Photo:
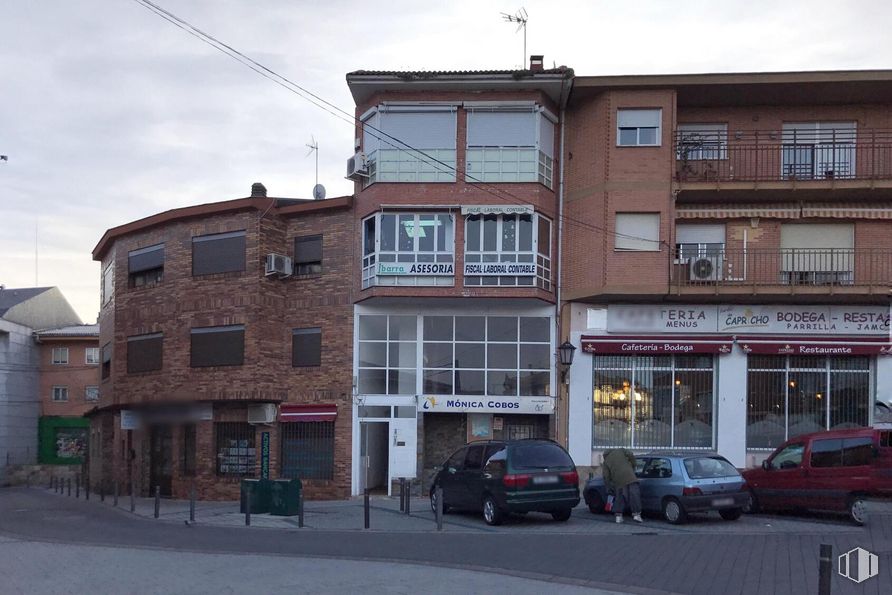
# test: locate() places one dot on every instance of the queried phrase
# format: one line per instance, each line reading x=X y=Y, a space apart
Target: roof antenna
x=314 y=148
x=520 y=17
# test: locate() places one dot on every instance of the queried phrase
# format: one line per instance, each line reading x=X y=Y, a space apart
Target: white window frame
x=658 y=128
x=828 y=146
x=371 y=260
x=94 y=360
x=60 y=394
x=684 y=251
x=542 y=260
x=107 y=284
x=623 y=236
x=60 y=356
x=701 y=142
x=87 y=392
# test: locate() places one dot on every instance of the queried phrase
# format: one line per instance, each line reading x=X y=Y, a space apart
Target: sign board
x=495 y=269
x=497 y=210
x=471 y=404
x=416 y=269
x=264 y=455
x=814 y=348
x=129 y=420
x=662 y=319
x=655 y=346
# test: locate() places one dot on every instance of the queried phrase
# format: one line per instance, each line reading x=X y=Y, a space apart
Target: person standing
x=618 y=470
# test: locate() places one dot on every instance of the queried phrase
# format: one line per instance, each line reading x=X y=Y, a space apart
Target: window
x=144 y=353
x=218 y=346
x=92 y=355
x=108 y=282
x=857 y=451
x=702 y=141
x=637 y=232
x=638 y=127
x=188 y=453
x=789 y=458
x=106 y=360
x=657 y=468
x=826 y=453
x=510 y=144
x=60 y=355
x=818 y=150
x=788 y=396
x=694 y=241
x=236 y=455
x=817 y=254
x=218 y=253
x=709 y=467
x=508 y=250
x=387 y=355
x=410 y=143
x=474 y=458
x=653 y=401
x=408 y=249
x=306 y=347
x=145 y=266
x=308 y=450
x=457 y=459
x=308 y=255
x=496 y=460
x=91 y=394
x=60 y=393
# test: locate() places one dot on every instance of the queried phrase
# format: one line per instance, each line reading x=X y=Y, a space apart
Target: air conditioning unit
x=705 y=268
x=265 y=413
x=278 y=264
x=357 y=167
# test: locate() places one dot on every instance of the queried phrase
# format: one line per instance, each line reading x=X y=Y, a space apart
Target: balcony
x=788 y=159
x=783 y=271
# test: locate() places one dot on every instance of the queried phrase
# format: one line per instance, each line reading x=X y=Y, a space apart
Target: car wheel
x=562 y=515
x=673 y=511
x=731 y=514
x=492 y=514
x=434 y=501
x=596 y=504
x=752 y=504
x=857 y=509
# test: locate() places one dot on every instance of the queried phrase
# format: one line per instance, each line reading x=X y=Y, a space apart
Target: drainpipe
x=557 y=307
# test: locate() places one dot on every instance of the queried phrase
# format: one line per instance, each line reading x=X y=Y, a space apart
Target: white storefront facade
x=737 y=379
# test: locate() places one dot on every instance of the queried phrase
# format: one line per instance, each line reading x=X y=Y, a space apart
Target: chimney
x=536 y=63
x=258 y=190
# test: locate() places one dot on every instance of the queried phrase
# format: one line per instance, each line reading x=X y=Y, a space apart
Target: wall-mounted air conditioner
x=705 y=268
x=264 y=413
x=357 y=167
x=278 y=264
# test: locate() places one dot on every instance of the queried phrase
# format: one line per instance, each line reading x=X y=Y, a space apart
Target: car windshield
x=706 y=467
x=540 y=456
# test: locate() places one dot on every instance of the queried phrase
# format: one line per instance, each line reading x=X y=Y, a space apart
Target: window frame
x=658 y=129
x=534 y=255
x=245 y=463
x=713 y=148
x=97 y=356
x=145 y=277
x=373 y=260
x=63 y=356
x=304 y=267
x=232 y=328
x=621 y=236
x=107 y=285
x=313 y=362
x=230 y=268
x=87 y=391
x=132 y=368
x=59 y=393
x=321 y=436
x=106 y=355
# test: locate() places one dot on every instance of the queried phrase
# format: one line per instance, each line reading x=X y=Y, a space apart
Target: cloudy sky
x=110 y=113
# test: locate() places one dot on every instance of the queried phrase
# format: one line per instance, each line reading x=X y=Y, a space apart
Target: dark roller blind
x=218 y=346
x=306 y=347
x=218 y=253
x=144 y=353
x=146 y=259
x=308 y=249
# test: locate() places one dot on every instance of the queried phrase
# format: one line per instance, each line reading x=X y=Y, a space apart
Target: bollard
x=53 y=484
x=69 y=486
x=132 y=499
x=116 y=494
x=408 y=494
x=300 y=512
x=365 y=508
x=192 y=502
x=77 y=486
x=402 y=494
x=824 y=565
x=439 y=512
x=101 y=491
x=247 y=507
x=157 y=501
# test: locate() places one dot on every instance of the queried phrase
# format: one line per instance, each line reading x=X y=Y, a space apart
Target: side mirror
x=766 y=465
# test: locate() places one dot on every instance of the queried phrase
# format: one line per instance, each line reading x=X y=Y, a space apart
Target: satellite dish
x=318 y=192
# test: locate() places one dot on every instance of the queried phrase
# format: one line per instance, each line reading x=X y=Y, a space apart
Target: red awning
x=656 y=345
x=292 y=412
x=817 y=346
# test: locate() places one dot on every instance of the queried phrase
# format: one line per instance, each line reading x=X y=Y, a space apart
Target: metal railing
x=788 y=155
x=784 y=267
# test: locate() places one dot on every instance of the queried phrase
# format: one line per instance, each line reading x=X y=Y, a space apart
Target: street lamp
x=565 y=354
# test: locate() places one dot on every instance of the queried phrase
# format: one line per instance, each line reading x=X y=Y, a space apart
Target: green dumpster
x=260 y=492
x=285 y=495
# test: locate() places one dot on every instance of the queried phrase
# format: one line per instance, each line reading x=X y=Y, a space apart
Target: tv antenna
x=314 y=148
x=520 y=17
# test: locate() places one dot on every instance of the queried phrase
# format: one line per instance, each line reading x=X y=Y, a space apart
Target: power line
x=350 y=118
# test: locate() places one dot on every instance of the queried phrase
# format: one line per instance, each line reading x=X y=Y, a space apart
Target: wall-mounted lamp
x=565 y=354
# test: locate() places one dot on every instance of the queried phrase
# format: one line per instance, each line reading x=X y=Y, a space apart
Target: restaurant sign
x=640 y=345
x=814 y=348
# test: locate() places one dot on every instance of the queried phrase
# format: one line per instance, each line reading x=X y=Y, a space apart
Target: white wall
x=19 y=395
x=730 y=414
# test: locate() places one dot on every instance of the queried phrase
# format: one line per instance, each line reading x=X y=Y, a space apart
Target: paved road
x=695 y=561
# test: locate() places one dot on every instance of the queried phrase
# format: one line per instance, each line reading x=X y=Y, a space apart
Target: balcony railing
x=784 y=268
x=769 y=156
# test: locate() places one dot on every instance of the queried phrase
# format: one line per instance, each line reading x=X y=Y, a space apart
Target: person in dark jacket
x=618 y=470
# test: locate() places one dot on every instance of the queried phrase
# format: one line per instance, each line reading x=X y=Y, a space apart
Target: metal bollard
x=116 y=494
x=439 y=511
x=77 y=486
x=365 y=508
x=69 y=486
x=402 y=494
x=300 y=512
x=408 y=494
x=192 y=503
x=247 y=508
x=157 y=501
x=824 y=565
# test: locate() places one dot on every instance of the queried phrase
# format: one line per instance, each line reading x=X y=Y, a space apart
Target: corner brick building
x=214 y=368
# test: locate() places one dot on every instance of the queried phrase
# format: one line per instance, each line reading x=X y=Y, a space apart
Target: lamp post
x=565 y=353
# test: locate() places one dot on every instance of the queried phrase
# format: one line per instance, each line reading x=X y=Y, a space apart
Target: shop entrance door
x=161 y=460
x=373 y=472
x=403 y=450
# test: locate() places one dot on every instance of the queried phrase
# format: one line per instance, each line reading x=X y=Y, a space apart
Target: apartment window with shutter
x=306 y=347
x=218 y=253
x=145 y=266
x=637 y=232
x=218 y=346
x=60 y=355
x=308 y=255
x=91 y=394
x=91 y=355
x=638 y=127
x=817 y=254
x=108 y=282
x=144 y=353
x=106 y=360
x=699 y=241
x=60 y=393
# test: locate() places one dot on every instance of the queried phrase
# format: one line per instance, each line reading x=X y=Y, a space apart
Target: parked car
x=676 y=484
x=832 y=471
x=499 y=477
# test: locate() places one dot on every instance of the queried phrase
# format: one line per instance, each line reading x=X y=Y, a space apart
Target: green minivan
x=500 y=477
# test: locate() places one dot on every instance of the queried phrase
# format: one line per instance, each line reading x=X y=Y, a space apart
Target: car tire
x=492 y=514
x=857 y=509
x=562 y=515
x=434 y=502
x=674 y=512
x=752 y=505
x=596 y=504
x=731 y=514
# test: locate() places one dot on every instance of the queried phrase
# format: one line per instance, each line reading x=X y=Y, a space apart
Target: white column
x=731 y=407
x=579 y=424
x=884 y=379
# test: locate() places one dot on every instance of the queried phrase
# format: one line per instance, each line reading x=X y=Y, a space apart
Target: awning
x=723 y=211
x=297 y=413
x=655 y=345
x=847 y=211
x=817 y=346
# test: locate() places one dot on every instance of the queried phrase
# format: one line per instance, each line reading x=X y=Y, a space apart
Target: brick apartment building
x=455 y=263
x=214 y=368
x=740 y=293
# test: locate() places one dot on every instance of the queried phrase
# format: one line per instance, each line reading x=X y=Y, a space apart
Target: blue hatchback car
x=676 y=484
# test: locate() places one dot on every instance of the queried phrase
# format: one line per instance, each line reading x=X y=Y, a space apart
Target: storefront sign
x=416 y=269
x=264 y=455
x=495 y=269
x=129 y=420
x=612 y=345
x=815 y=348
x=439 y=404
x=497 y=210
x=746 y=319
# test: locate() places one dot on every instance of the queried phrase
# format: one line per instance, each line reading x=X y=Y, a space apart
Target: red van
x=833 y=470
